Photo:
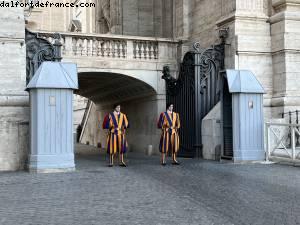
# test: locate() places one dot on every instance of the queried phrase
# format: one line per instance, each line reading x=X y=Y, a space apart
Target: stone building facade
x=264 y=37
x=14 y=101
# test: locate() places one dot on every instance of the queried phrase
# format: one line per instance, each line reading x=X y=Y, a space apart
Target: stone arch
x=112 y=87
x=139 y=97
x=151 y=78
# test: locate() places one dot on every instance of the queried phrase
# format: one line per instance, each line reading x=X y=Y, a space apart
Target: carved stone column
x=14 y=101
x=249 y=41
x=116 y=16
x=285 y=31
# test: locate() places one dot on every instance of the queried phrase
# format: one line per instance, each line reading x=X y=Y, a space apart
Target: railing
x=283 y=142
x=115 y=46
x=290 y=115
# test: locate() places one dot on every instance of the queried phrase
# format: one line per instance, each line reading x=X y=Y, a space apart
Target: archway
x=138 y=99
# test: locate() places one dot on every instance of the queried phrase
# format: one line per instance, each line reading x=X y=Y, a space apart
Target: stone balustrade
x=115 y=46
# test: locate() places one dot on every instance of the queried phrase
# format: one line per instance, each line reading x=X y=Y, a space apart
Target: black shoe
x=110 y=165
x=163 y=164
x=175 y=163
x=123 y=164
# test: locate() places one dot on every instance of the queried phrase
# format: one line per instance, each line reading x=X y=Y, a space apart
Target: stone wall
x=14 y=111
x=211 y=134
x=285 y=43
x=79 y=105
x=59 y=19
x=204 y=16
x=152 y=18
x=142 y=114
x=249 y=42
x=263 y=37
x=93 y=132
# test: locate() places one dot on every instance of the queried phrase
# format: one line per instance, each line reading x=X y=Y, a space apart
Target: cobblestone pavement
x=196 y=192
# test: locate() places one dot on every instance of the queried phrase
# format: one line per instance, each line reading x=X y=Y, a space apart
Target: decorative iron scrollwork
x=210 y=60
x=197 y=46
x=196 y=91
x=39 y=50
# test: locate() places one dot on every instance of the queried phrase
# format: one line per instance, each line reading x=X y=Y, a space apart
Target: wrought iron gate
x=195 y=92
x=38 y=50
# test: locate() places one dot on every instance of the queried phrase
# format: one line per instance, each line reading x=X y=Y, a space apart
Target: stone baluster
x=86 y=42
x=124 y=49
x=98 y=47
x=107 y=48
x=150 y=50
x=156 y=50
x=63 y=47
x=139 y=45
x=69 y=46
x=119 y=44
x=118 y=49
x=74 y=46
x=84 y=47
x=89 y=47
x=134 y=49
x=78 y=46
x=113 y=48
x=94 y=46
x=102 y=48
x=145 y=49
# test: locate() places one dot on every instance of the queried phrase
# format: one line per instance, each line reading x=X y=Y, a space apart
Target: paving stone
x=196 y=192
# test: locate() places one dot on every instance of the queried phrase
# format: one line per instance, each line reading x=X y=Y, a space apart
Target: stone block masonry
x=14 y=101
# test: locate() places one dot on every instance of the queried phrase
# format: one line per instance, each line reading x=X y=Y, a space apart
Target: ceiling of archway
x=109 y=88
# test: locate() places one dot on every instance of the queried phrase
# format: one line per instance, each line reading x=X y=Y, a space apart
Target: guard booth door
x=226 y=118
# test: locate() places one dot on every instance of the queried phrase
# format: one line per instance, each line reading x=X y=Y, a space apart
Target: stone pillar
x=285 y=31
x=14 y=101
x=116 y=16
x=249 y=39
x=181 y=19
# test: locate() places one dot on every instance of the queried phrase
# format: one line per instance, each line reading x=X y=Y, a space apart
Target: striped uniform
x=169 y=123
x=116 y=125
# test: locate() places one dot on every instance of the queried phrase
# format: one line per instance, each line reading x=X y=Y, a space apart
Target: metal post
x=293 y=142
x=290 y=122
x=268 y=142
x=297 y=122
x=197 y=75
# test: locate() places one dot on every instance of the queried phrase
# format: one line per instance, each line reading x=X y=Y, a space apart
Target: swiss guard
x=169 y=123
x=116 y=123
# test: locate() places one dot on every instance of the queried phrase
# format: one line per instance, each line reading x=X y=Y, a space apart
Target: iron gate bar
x=195 y=92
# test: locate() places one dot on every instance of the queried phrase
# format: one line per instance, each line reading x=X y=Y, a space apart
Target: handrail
x=283 y=124
x=115 y=46
x=110 y=36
